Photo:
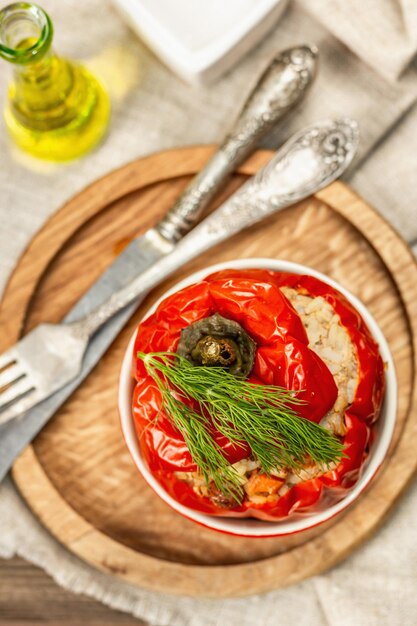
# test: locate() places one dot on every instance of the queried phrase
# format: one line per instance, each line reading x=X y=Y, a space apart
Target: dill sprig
x=262 y=416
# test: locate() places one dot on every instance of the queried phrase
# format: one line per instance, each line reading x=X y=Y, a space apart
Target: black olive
x=217 y=341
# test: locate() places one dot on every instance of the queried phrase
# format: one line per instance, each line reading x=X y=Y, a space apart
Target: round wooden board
x=78 y=477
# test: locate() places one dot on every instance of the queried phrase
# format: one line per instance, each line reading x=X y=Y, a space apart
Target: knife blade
x=140 y=254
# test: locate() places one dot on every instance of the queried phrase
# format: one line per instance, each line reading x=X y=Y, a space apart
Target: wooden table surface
x=30 y=597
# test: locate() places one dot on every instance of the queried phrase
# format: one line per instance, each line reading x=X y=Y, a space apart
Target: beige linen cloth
x=382 y=32
x=153 y=110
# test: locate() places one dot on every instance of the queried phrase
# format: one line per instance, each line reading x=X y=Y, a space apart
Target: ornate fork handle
x=282 y=85
x=309 y=161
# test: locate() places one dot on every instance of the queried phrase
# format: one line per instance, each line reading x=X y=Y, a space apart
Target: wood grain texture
x=28 y=597
x=78 y=477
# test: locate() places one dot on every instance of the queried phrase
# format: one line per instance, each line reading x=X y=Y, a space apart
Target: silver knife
x=283 y=84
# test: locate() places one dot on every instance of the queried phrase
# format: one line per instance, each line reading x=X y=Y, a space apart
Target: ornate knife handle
x=281 y=86
x=312 y=159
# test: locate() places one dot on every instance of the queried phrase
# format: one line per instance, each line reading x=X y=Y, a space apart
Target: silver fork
x=51 y=355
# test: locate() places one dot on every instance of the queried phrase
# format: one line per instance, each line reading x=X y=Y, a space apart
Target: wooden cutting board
x=78 y=477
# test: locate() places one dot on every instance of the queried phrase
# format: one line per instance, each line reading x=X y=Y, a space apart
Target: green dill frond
x=262 y=416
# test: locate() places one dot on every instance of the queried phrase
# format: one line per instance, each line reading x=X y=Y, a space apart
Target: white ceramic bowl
x=251 y=527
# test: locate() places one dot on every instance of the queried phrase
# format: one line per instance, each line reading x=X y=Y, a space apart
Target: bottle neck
x=40 y=89
x=26 y=34
x=37 y=71
x=41 y=81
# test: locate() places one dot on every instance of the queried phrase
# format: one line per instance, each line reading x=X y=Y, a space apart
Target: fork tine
x=20 y=407
x=12 y=393
x=8 y=357
x=11 y=374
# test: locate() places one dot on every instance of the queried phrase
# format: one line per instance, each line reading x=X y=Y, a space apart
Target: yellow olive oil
x=56 y=109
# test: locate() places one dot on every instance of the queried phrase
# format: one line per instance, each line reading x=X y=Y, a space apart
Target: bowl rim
x=249 y=527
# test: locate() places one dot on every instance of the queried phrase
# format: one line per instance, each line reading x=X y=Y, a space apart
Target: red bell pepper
x=254 y=299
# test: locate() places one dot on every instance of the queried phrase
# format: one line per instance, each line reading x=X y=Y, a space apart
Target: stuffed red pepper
x=255 y=394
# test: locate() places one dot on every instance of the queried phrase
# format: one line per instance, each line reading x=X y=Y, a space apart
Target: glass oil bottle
x=56 y=109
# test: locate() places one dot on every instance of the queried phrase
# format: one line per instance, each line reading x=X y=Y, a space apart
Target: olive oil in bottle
x=56 y=109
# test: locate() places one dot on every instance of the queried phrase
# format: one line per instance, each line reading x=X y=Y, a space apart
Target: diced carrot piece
x=261 y=484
